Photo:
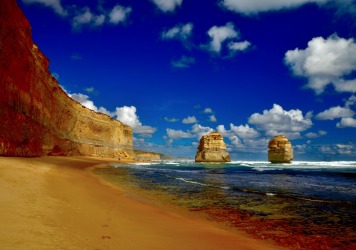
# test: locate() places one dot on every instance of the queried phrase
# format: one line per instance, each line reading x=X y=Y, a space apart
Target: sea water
x=308 y=205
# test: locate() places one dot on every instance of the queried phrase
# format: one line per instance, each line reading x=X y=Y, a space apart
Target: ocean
x=302 y=205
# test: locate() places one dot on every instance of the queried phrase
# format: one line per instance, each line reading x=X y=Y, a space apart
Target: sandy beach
x=56 y=203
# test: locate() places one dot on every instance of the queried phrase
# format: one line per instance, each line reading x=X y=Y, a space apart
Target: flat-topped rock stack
x=212 y=149
x=280 y=150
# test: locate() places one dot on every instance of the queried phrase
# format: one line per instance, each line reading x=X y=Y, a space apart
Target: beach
x=57 y=203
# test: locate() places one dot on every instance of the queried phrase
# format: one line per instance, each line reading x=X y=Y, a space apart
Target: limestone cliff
x=280 y=150
x=36 y=116
x=146 y=156
x=212 y=149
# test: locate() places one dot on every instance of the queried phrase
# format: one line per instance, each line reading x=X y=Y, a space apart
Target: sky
x=175 y=70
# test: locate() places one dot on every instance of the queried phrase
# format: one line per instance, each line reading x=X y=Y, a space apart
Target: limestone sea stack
x=280 y=150
x=212 y=149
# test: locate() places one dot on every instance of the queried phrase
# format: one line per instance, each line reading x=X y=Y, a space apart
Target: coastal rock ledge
x=212 y=149
x=280 y=150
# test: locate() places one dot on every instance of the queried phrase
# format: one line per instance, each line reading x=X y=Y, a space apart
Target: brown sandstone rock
x=36 y=116
x=280 y=150
x=212 y=149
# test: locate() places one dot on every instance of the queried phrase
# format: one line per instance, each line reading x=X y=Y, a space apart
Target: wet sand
x=56 y=203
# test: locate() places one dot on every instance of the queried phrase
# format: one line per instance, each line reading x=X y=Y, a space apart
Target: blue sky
x=176 y=69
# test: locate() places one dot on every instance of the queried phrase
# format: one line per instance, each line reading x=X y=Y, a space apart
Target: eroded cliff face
x=146 y=156
x=36 y=116
x=280 y=150
x=212 y=149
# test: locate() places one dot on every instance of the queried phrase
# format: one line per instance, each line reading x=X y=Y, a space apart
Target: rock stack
x=280 y=150
x=212 y=149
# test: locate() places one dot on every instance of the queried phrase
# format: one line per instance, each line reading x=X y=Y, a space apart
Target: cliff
x=36 y=116
x=146 y=156
x=212 y=149
x=280 y=150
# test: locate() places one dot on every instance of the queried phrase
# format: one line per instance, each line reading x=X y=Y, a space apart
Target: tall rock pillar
x=280 y=150
x=212 y=149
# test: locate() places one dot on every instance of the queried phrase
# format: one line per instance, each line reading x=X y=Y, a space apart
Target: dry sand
x=56 y=203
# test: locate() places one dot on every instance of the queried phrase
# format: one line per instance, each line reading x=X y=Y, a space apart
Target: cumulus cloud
x=171 y=119
x=84 y=100
x=334 y=113
x=197 y=131
x=183 y=62
x=181 y=32
x=245 y=132
x=279 y=121
x=253 y=7
x=53 y=4
x=238 y=46
x=178 y=134
x=345 y=113
x=208 y=111
x=200 y=130
x=119 y=14
x=351 y=101
x=338 y=149
x=243 y=138
x=89 y=89
x=81 y=16
x=347 y=122
x=219 y=34
x=167 y=5
x=128 y=116
x=189 y=120
x=316 y=135
x=324 y=62
x=227 y=34
x=212 y=118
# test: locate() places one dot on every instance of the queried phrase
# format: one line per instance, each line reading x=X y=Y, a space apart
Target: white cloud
x=86 y=17
x=89 y=89
x=208 y=111
x=183 y=62
x=347 y=122
x=128 y=116
x=341 y=149
x=245 y=132
x=351 y=101
x=190 y=119
x=252 y=7
x=119 y=14
x=238 y=46
x=200 y=130
x=212 y=118
x=316 y=135
x=171 y=119
x=178 y=134
x=219 y=34
x=324 y=62
x=180 y=32
x=54 y=4
x=278 y=121
x=167 y=5
x=335 y=112
x=84 y=100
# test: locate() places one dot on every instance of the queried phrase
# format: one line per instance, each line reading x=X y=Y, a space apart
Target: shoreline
x=56 y=203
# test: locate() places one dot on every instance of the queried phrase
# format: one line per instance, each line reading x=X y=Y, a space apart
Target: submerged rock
x=212 y=149
x=280 y=150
